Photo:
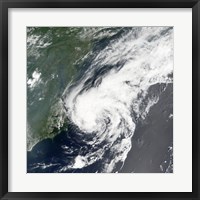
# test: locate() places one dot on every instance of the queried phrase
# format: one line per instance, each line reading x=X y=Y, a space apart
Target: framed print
x=99 y=99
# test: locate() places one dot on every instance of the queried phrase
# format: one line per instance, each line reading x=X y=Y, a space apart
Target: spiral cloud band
x=104 y=103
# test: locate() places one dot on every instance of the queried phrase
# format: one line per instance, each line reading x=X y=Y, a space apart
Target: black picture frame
x=6 y=4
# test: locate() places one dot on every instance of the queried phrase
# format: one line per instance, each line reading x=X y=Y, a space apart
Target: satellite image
x=100 y=99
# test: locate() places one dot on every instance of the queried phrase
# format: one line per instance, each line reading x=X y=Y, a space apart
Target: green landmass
x=55 y=53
